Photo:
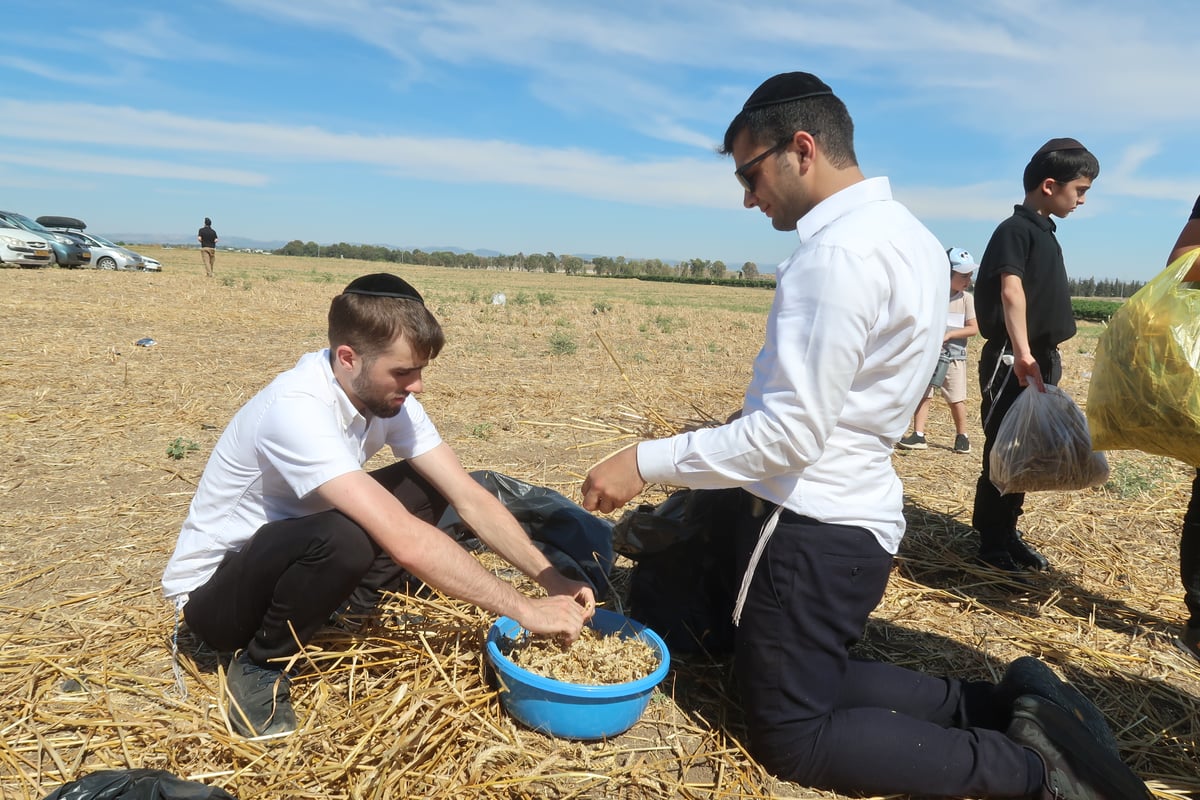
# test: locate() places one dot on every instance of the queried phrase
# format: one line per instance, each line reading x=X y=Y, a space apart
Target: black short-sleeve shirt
x=1025 y=245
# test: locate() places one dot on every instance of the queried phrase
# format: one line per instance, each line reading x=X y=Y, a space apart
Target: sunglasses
x=742 y=173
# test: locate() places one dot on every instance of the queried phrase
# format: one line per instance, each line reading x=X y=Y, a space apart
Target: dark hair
x=207 y=221
x=370 y=324
x=1063 y=166
x=823 y=116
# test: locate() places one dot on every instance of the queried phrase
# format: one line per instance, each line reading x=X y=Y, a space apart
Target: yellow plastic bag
x=1145 y=389
x=1043 y=445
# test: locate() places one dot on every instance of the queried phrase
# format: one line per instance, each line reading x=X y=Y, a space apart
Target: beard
x=381 y=403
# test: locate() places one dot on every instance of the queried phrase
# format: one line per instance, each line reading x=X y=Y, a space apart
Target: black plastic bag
x=136 y=784
x=577 y=543
x=684 y=584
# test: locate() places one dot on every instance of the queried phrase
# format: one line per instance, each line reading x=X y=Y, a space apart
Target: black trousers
x=1189 y=555
x=995 y=515
x=822 y=719
x=275 y=593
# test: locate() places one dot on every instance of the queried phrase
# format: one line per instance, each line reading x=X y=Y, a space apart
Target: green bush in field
x=180 y=448
x=562 y=344
x=1093 y=310
x=546 y=298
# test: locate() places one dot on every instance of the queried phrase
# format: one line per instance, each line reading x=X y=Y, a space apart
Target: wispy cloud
x=569 y=170
x=67 y=162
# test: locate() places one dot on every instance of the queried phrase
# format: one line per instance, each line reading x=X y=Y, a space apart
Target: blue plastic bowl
x=572 y=710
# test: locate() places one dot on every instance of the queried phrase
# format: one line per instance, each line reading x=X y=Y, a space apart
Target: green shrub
x=562 y=344
x=179 y=448
x=1093 y=310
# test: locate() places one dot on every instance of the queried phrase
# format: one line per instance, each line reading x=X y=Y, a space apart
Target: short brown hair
x=370 y=324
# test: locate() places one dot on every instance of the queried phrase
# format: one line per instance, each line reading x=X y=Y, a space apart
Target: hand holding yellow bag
x=1145 y=389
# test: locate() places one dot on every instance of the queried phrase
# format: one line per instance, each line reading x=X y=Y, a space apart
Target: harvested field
x=571 y=368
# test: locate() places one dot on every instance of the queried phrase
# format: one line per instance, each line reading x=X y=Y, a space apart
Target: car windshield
x=26 y=223
x=103 y=241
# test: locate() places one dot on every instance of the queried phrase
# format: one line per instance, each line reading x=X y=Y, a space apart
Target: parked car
x=105 y=254
x=67 y=253
x=151 y=264
x=19 y=246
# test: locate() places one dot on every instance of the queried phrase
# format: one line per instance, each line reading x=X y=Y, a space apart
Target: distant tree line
x=1090 y=287
x=697 y=268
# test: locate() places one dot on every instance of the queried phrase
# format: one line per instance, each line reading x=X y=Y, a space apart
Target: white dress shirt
x=296 y=434
x=852 y=338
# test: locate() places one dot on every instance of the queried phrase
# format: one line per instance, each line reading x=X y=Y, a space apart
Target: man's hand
x=613 y=482
x=557 y=615
x=1026 y=370
x=555 y=583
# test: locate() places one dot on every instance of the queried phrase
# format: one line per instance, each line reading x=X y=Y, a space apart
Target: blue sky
x=571 y=127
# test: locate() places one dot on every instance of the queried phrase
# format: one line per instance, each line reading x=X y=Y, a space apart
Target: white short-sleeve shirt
x=296 y=434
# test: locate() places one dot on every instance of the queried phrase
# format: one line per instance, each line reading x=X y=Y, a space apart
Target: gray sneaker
x=1077 y=766
x=962 y=444
x=914 y=441
x=260 y=701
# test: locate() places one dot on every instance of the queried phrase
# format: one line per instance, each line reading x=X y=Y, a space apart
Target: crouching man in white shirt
x=286 y=526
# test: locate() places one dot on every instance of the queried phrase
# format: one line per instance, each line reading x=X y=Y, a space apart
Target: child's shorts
x=954 y=388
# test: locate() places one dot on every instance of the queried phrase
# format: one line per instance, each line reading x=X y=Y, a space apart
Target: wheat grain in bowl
x=593 y=659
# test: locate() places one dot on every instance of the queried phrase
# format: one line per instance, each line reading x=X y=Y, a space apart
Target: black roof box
x=61 y=222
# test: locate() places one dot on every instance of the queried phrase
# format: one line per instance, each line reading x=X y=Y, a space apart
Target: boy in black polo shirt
x=1024 y=310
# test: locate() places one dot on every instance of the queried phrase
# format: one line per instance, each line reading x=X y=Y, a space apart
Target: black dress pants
x=822 y=719
x=1189 y=555
x=275 y=593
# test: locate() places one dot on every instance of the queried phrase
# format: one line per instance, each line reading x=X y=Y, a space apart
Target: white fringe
x=764 y=536
x=180 y=685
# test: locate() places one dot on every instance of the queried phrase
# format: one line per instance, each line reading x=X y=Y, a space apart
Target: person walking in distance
x=207 y=237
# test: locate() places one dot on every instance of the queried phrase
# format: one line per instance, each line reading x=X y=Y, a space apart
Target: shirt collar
x=1043 y=221
x=346 y=411
x=842 y=202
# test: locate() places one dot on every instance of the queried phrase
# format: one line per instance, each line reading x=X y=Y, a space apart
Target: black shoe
x=1189 y=642
x=1077 y=766
x=1000 y=560
x=1025 y=555
x=914 y=441
x=260 y=701
x=962 y=444
x=1012 y=554
x=1029 y=676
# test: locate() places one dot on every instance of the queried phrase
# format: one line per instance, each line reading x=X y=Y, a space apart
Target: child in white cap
x=951 y=375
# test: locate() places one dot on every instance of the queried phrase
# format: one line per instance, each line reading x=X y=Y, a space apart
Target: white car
x=25 y=249
x=105 y=254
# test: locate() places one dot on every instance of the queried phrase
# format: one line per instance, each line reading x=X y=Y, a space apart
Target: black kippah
x=785 y=88
x=1059 y=144
x=383 y=284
